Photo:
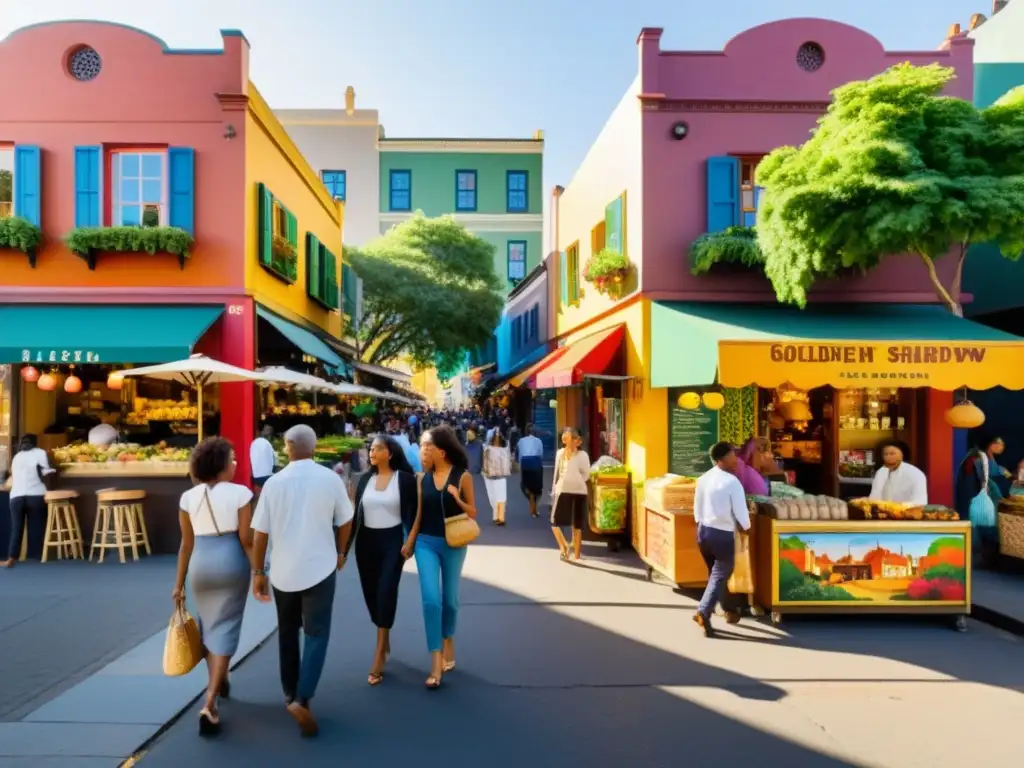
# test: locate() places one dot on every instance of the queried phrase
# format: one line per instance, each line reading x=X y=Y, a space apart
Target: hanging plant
x=284 y=258
x=607 y=270
x=89 y=242
x=20 y=234
x=733 y=245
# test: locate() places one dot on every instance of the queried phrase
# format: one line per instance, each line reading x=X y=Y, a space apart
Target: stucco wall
x=998 y=40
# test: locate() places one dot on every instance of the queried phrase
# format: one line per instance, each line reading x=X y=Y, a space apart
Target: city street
x=574 y=665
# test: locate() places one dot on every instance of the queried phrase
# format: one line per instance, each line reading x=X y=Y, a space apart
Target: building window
x=6 y=182
x=400 y=191
x=572 y=274
x=85 y=64
x=515 y=192
x=597 y=238
x=465 y=190
x=516 y=260
x=517 y=324
x=535 y=323
x=140 y=189
x=749 y=192
x=335 y=181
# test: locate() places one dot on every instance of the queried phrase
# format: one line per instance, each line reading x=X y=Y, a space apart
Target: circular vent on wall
x=84 y=64
x=810 y=57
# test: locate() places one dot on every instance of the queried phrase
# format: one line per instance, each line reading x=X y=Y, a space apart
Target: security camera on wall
x=680 y=131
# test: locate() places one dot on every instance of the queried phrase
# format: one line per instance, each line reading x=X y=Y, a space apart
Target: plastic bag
x=742 y=580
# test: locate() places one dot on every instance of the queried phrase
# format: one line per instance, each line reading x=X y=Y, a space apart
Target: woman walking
x=447 y=491
x=387 y=521
x=569 y=492
x=29 y=470
x=216 y=539
x=497 y=468
x=978 y=493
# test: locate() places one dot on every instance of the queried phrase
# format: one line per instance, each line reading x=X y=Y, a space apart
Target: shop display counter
x=670 y=547
x=863 y=566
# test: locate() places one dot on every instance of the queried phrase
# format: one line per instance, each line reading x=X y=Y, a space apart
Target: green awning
x=84 y=333
x=685 y=337
x=301 y=338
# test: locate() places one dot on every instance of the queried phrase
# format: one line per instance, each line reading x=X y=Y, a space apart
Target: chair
x=62 y=530
x=120 y=523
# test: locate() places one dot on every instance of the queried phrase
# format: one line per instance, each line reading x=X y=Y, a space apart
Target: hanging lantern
x=713 y=401
x=965 y=415
x=47 y=382
x=552 y=403
x=689 y=401
x=29 y=374
x=72 y=385
x=115 y=381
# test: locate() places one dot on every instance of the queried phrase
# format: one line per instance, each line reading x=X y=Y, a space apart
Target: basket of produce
x=670 y=492
x=1011 y=527
x=608 y=512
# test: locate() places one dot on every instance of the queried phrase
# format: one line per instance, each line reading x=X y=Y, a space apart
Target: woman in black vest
x=386 y=523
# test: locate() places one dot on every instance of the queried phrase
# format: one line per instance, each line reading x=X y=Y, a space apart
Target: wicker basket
x=1011 y=531
x=669 y=493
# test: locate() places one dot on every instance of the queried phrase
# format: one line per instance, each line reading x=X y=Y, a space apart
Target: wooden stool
x=62 y=529
x=119 y=523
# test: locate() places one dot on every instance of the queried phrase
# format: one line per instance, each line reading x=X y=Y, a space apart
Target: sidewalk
x=998 y=599
x=564 y=665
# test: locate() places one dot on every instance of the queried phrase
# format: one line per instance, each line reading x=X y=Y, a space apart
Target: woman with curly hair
x=216 y=538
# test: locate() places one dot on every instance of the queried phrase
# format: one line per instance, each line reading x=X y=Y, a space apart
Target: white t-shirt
x=719 y=502
x=25 y=474
x=382 y=509
x=225 y=499
x=262 y=457
x=299 y=509
x=905 y=484
x=102 y=435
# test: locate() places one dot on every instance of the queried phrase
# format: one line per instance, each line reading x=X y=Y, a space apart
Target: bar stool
x=119 y=523
x=62 y=529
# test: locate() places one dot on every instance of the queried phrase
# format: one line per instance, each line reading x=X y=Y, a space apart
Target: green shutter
x=332 y=281
x=313 y=266
x=265 y=200
x=293 y=230
x=614 y=226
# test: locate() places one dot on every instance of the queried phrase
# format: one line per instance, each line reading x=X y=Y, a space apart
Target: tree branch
x=951 y=304
x=958 y=277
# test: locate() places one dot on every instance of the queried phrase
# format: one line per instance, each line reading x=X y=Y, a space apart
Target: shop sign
x=59 y=356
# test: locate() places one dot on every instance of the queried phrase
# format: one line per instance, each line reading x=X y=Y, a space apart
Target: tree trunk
x=952 y=304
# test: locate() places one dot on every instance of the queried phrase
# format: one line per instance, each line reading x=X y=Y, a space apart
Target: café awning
x=831 y=345
x=597 y=353
x=74 y=334
x=306 y=341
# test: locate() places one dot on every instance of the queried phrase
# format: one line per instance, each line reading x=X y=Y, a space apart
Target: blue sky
x=479 y=67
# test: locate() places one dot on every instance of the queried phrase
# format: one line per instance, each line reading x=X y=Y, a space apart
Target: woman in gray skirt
x=216 y=540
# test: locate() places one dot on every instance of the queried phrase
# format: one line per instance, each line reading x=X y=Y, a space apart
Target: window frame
x=752 y=161
x=509 y=208
x=508 y=260
x=392 y=173
x=332 y=189
x=572 y=271
x=116 y=179
x=598 y=237
x=459 y=208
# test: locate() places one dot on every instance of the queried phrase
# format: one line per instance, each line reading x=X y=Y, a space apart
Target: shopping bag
x=982 y=511
x=183 y=648
x=742 y=580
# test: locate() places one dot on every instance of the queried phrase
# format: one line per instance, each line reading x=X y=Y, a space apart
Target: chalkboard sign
x=691 y=435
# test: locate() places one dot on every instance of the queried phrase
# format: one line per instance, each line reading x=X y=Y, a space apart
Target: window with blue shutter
x=336 y=183
x=465 y=190
x=87 y=186
x=615 y=225
x=516 y=194
x=400 y=191
x=723 y=193
x=181 y=185
x=27 y=181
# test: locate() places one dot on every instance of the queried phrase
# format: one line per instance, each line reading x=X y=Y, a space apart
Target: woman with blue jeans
x=447 y=491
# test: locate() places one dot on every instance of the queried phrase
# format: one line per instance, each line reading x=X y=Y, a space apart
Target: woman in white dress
x=497 y=467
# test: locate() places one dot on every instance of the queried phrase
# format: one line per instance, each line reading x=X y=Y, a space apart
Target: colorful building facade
x=676 y=159
x=194 y=153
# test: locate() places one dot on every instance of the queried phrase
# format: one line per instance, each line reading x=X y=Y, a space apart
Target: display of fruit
x=146 y=410
x=84 y=453
x=871 y=509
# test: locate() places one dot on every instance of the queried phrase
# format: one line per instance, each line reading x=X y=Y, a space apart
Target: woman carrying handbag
x=497 y=468
x=447 y=525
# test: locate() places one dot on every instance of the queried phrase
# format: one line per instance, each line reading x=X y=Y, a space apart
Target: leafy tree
x=6 y=186
x=893 y=167
x=429 y=290
x=733 y=245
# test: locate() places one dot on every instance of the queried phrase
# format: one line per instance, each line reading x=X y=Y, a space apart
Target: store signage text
x=853 y=354
x=59 y=356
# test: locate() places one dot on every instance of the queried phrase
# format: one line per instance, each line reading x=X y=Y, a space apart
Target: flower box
x=89 y=242
x=19 y=234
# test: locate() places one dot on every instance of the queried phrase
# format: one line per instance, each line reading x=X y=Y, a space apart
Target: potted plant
x=20 y=234
x=284 y=258
x=607 y=270
x=89 y=242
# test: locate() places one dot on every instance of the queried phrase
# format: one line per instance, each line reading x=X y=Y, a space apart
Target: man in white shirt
x=262 y=457
x=719 y=506
x=28 y=468
x=306 y=511
x=897 y=480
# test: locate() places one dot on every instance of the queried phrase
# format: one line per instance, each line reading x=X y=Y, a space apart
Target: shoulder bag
x=209 y=507
x=461 y=529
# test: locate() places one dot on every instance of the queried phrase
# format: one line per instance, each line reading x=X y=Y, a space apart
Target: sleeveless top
x=438 y=505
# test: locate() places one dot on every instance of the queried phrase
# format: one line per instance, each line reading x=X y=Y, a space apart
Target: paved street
x=569 y=665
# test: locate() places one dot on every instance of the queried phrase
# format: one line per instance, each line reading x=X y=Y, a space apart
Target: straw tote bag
x=460 y=530
x=183 y=648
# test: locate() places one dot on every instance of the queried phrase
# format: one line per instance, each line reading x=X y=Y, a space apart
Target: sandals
x=375 y=678
x=448 y=666
x=209 y=722
x=433 y=682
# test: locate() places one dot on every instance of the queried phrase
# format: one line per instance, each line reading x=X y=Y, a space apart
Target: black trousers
x=309 y=610
x=379 y=559
x=26 y=512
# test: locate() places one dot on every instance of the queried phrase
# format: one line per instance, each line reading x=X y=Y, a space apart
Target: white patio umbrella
x=288 y=378
x=196 y=372
x=356 y=390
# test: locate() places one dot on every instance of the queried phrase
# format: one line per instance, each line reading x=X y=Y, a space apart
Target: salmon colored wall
x=272 y=159
x=147 y=95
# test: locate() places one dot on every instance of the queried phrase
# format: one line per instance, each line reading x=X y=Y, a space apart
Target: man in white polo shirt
x=305 y=510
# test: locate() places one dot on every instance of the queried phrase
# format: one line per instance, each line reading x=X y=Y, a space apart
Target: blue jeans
x=440 y=568
x=718 y=549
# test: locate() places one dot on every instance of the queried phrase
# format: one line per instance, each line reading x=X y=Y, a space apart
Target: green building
x=492 y=186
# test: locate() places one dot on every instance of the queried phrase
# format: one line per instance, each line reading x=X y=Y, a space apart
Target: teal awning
x=84 y=333
x=685 y=336
x=301 y=338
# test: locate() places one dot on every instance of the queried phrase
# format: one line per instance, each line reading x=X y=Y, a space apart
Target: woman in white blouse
x=569 y=493
x=216 y=541
x=497 y=468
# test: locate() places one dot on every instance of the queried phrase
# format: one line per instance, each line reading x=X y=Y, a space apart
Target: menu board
x=691 y=436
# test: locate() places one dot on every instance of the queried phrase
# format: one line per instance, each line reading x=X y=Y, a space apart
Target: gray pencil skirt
x=219 y=576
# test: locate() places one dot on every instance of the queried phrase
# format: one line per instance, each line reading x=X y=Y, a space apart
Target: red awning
x=593 y=354
x=528 y=377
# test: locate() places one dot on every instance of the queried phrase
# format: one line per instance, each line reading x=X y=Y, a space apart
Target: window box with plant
x=731 y=247
x=20 y=234
x=89 y=242
x=278 y=237
x=608 y=270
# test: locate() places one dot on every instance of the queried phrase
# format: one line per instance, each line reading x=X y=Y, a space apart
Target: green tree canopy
x=429 y=290
x=893 y=168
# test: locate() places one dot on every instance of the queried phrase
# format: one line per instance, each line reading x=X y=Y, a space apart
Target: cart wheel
x=961 y=623
x=650 y=573
x=613 y=545
x=776 y=618
x=756 y=610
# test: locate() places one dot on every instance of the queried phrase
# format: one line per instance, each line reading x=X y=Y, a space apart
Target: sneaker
x=704 y=622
